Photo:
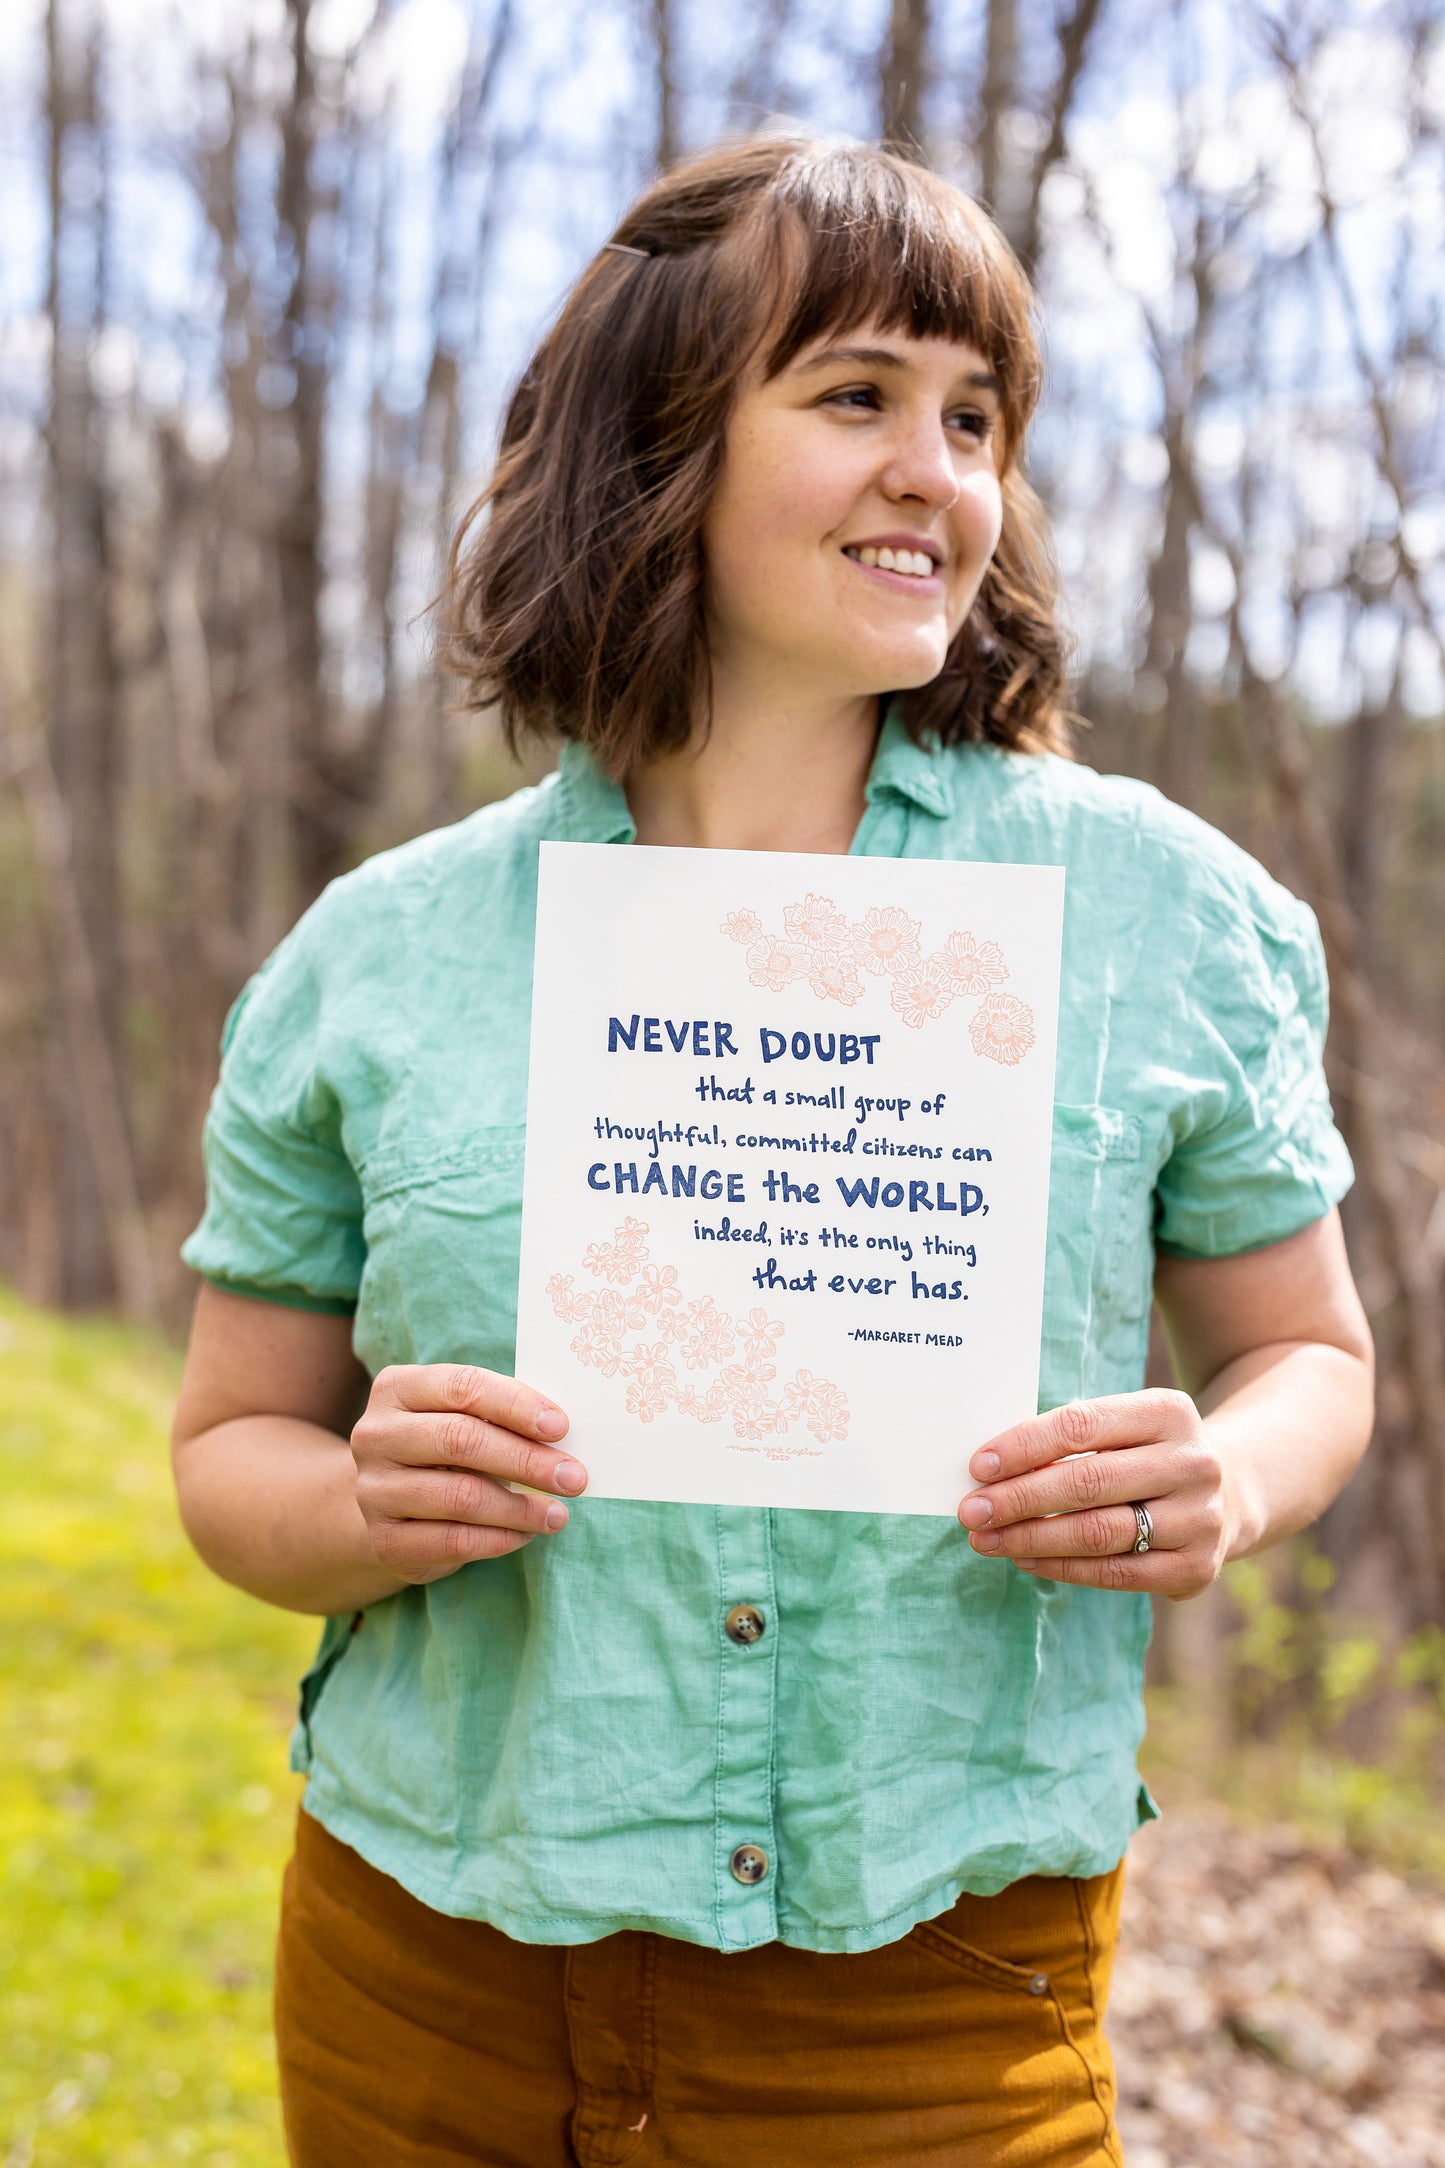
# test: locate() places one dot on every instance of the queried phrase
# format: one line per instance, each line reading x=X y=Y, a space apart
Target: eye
x=980 y=425
x=852 y=394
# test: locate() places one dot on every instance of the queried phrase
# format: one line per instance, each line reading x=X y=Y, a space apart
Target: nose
x=920 y=466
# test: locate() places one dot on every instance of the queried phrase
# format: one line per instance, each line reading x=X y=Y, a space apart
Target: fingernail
x=987 y=1543
x=557 y=1516
x=569 y=1475
x=976 y=1512
x=551 y=1423
x=984 y=1465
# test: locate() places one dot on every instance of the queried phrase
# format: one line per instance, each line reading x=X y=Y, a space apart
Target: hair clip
x=624 y=248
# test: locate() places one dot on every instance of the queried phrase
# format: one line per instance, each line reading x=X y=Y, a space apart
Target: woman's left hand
x=1086 y=1466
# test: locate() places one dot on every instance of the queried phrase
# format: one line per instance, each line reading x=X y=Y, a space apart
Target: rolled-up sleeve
x=1257 y=1156
x=283 y=1215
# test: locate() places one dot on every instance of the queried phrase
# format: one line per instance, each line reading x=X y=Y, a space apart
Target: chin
x=902 y=673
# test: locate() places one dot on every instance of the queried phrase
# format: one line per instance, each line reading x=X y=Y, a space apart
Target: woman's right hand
x=435 y=1451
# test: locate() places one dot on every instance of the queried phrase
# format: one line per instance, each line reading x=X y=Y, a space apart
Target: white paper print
x=786 y=1187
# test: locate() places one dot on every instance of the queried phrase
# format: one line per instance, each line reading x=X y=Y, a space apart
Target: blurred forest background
x=268 y=273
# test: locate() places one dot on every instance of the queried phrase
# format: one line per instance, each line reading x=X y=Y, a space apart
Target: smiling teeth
x=916 y=563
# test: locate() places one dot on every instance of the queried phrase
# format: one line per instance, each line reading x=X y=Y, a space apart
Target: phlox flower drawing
x=680 y=1342
x=837 y=957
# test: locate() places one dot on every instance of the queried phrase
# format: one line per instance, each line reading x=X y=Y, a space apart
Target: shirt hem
x=569 y=1929
x=284 y=1298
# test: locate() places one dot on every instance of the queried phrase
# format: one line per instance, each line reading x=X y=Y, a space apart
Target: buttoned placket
x=744 y=1835
x=746 y=1876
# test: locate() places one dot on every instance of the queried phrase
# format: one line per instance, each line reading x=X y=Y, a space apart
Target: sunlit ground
x=144 y=1802
x=145 y=1808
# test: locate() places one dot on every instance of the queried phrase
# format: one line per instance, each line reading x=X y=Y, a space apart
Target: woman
x=695 y=1835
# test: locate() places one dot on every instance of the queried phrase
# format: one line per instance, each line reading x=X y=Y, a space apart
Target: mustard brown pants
x=408 y=2039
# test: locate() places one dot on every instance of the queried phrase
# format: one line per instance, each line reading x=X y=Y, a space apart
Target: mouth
x=914 y=567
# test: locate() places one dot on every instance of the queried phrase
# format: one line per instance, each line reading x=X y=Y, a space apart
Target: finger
x=464 y=1388
x=1104 y=1532
x=424 y=1551
x=1084 y=1426
x=455 y=1494
x=454 y=1440
x=1165 y=1573
x=1084 y=1481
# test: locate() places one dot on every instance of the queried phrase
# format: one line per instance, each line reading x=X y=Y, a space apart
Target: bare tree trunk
x=1000 y=71
x=664 y=51
x=1074 y=36
x=1181 y=764
x=904 y=75
x=1370 y=758
x=90 y=1069
x=318 y=824
x=83 y=693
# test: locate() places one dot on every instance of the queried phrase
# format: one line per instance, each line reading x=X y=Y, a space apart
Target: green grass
x=145 y=1805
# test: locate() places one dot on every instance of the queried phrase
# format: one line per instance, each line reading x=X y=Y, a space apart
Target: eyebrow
x=883 y=357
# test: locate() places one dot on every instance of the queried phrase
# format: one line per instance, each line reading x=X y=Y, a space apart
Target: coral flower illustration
x=833 y=976
x=827 y=1412
x=886 y=941
x=1002 y=1029
x=620 y=1259
x=920 y=996
x=761 y=1333
x=648 y=1394
x=821 y=944
x=659 y=1289
x=707 y=1338
x=969 y=966
x=774 y=964
x=816 y=922
x=711 y=1338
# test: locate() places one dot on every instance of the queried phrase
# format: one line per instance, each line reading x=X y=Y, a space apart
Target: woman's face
x=868 y=444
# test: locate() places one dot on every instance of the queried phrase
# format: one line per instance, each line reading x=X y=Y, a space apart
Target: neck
x=772 y=774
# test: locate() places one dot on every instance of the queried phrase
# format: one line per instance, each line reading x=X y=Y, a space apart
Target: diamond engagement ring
x=1145 y=1536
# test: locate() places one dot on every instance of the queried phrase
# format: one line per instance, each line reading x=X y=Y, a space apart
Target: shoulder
x=442 y=872
x=1129 y=832
x=395 y=919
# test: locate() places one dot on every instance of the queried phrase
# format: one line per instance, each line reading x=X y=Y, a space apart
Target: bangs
x=862 y=239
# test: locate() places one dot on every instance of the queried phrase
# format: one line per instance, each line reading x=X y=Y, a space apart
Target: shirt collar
x=596 y=809
x=908 y=770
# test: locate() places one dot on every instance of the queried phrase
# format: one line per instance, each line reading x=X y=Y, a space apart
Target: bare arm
x=311 y=1487
x=1275 y=1356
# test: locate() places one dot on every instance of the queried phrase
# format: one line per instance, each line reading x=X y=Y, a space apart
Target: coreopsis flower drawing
x=969 y=966
x=741 y=1352
x=1002 y=1029
x=815 y=923
x=920 y=995
x=837 y=956
x=833 y=976
x=886 y=941
x=773 y=963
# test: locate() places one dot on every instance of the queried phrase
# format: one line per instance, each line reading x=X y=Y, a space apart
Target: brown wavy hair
x=575 y=596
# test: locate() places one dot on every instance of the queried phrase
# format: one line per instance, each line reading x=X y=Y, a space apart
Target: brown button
x=748 y=1863
x=744 y=1623
x=1039 y=1984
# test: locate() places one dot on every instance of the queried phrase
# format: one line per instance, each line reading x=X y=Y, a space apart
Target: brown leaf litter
x=1276 y=2004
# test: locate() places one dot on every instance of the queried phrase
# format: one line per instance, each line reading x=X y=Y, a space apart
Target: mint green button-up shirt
x=566 y=1741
